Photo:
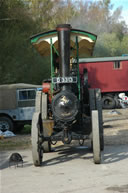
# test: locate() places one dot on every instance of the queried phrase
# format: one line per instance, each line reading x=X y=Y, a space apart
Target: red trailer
x=110 y=74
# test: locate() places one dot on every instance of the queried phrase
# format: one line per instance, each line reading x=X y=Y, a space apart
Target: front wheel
x=6 y=124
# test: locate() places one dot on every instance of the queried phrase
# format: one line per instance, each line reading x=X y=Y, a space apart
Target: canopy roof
x=85 y=39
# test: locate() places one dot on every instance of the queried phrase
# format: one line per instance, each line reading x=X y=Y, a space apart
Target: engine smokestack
x=64 y=48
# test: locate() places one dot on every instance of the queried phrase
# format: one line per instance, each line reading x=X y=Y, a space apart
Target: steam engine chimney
x=64 y=48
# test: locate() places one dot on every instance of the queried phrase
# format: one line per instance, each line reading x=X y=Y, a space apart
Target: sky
x=123 y=4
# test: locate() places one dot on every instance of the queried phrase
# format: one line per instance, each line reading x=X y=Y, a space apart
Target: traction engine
x=66 y=109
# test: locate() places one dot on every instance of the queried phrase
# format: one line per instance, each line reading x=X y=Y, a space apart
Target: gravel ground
x=116 y=126
x=71 y=169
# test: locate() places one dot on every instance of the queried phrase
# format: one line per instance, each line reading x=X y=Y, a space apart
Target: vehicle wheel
x=101 y=143
x=47 y=147
x=100 y=116
x=37 y=150
x=6 y=124
x=96 y=104
x=96 y=137
x=108 y=102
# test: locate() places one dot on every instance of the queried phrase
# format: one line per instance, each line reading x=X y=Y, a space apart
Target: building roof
x=103 y=59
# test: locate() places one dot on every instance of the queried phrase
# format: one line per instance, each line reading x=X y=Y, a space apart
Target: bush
x=26 y=129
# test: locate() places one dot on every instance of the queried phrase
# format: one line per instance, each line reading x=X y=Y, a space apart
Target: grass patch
x=26 y=129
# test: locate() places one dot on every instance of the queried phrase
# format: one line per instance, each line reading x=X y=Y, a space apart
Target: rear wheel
x=37 y=150
x=6 y=124
x=96 y=137
x=96 y=104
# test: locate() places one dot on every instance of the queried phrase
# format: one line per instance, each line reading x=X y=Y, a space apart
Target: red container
x=110 y=75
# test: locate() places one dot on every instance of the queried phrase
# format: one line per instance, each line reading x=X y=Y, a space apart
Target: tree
x=124 y=45
x=108 y=44
x=97 y=17
x=48 y=14
x=15 y=57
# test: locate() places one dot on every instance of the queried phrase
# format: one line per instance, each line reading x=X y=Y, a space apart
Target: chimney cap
x=64 y=26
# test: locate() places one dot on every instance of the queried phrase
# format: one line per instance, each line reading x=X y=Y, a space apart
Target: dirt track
x=71 y=169
x=116 y=126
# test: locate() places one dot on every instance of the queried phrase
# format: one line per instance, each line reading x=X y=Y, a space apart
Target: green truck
x=17 y=105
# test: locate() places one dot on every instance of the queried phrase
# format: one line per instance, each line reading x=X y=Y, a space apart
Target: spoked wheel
x=96 y=137
x=37 y=150
x=95 y=104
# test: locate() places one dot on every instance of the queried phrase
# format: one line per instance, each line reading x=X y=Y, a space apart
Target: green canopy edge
x=35 y=39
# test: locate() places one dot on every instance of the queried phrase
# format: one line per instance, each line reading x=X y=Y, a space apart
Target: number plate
x=61 y=80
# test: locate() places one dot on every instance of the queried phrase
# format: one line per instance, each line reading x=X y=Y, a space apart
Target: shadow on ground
x=110 y=155
x=65 y=154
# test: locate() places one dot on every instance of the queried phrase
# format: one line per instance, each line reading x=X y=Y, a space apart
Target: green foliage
x=19 y=19
x=108 y=45
x=98 y=17
x=26 y=129
x=48 y=14
x=124 y=45
x=18 y=61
